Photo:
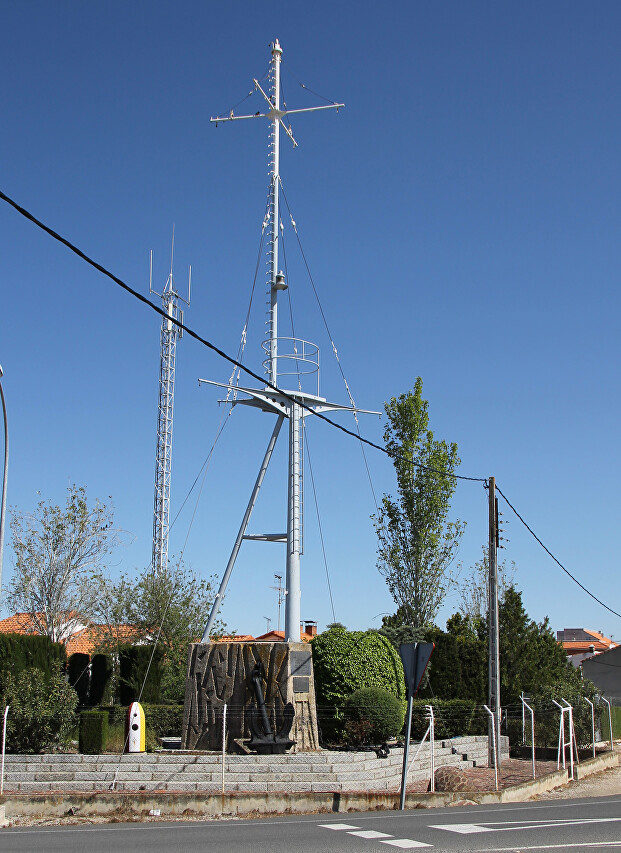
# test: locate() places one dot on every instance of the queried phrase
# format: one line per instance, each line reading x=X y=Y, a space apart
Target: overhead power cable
x=25 y=213
x=213 y=347
x=550 y=554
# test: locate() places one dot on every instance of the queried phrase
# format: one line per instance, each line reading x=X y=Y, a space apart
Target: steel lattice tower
x=169 y=334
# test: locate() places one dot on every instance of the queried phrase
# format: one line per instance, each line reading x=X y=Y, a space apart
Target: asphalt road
x=570 y=825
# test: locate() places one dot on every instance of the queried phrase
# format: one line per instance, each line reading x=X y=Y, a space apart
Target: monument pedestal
x=221 y=674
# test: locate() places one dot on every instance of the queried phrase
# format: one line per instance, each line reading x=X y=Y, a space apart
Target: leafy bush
x=140 y=672
x=164 y=720
x=78 y=669
x=101 y=673
x=373 y=715
x=344 y=661
x=41 y=712
x=93 y=732
x=22 y=651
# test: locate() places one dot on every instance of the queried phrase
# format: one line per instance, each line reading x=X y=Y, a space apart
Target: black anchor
x=263 y=739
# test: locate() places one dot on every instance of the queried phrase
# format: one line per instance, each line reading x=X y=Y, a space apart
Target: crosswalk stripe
x=373 y=834
x=370 y=833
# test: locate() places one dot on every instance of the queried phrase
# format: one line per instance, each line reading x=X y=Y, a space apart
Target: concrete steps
x=178 y=771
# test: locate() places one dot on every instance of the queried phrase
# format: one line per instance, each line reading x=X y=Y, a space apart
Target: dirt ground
x=604 y=784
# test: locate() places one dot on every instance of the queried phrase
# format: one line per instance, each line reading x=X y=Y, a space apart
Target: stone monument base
x=221 y=674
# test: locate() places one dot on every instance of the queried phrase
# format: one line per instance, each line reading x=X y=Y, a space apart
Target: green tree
x=170 y=607
x=398 y=631
x=57 y=552
x=473 y=587
x=530 y=656
x=416 y=542
x=41 y=710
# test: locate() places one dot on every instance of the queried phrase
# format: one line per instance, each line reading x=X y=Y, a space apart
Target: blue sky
x=461 y=221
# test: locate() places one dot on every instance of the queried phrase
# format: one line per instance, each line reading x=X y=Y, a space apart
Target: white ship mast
x=302 y=363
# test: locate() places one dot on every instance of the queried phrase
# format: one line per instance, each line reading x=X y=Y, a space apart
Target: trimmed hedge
x=134 y=661
x=79 y=676
x=344 y=661
x=101 y=673
x=25 y=651
x=373 y=715
x=93 y=732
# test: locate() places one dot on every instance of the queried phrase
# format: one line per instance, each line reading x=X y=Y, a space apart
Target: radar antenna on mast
x=169 y=334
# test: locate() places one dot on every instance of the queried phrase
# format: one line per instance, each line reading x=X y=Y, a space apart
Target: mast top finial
x=276 y=48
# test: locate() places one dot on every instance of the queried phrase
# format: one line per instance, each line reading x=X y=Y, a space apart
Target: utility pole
x=492 y=622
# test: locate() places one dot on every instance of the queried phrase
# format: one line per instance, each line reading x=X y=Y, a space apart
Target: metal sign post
x=414 y=657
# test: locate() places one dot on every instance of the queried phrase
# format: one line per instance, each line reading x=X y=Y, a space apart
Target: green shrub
x=78 y=669
x=140 y=674
x=41 y=710
x=160 y=720
x=373 y=715
x=23 y=651
x=101 y=673
x=344 y=661
x=93 y=732
x=164 y=720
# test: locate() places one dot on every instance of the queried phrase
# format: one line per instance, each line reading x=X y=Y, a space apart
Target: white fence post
x=223 y=742
x=612 y=746
x=532 y=730
x=6 y=711
x=561 y=736
x=592 y=723
x=572 y=738
x=432 y=740
x=491 y=713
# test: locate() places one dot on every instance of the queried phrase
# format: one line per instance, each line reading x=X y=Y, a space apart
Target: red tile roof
x=588 y=639
x=84 y=639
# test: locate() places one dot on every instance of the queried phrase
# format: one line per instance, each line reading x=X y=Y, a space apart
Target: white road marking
x=597 y=845
x=382 y=837
x=369 y=833
x=509 y=825
x=463 y=828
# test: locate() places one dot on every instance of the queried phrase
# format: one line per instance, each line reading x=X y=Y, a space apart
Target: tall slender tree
x=416 y=541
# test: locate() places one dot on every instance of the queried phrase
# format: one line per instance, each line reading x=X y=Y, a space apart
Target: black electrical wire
x=213 y=347
x=550 y=554
x=25 y=213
